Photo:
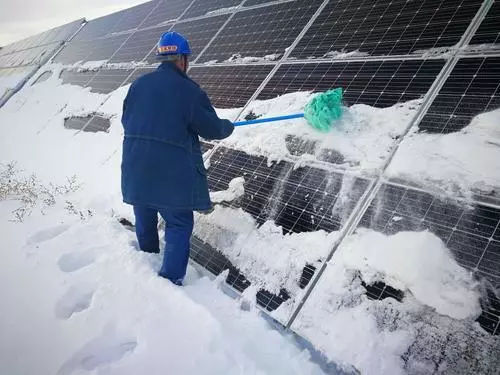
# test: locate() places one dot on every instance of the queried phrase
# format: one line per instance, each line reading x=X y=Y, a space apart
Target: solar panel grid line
x=488 y=32
x=261 y=31
x=476 y=22
x=202 y=8
x=372 y=189
x=213 y=38
x=137 y=28
x=365 y=28
x=272 y=72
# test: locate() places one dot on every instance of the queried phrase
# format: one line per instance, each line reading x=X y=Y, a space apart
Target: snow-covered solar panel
x=42 y=77
x=472 y=87
x=249 y=3
x=298 y=200
x=208 y=7
x=472 y=233
x=166 y=12
x=376 y=83
x=230 y=86
x=139 y=45
x=387 y=27
x=260 y=32
x=489 y=31
x=198 y=33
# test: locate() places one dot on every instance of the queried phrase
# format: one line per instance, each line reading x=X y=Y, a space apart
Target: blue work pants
x=178 y=230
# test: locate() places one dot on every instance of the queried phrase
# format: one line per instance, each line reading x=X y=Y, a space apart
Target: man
x=162 y=165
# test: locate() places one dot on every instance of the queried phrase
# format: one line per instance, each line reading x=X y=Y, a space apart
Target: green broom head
x=324 y=109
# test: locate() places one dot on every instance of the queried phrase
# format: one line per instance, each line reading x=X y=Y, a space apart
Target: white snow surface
x=78 y=298
x=234 y=191
x=364 y=135
x=373 y=335
x=460 y=162
x=10 y=81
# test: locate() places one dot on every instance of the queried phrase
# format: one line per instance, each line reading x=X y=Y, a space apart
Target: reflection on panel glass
x=230 y=86
x=472 y=87
x=375 y=83
x=386 y=27
x=260 y=32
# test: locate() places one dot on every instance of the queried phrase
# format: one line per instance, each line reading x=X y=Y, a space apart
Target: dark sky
x=22 y=18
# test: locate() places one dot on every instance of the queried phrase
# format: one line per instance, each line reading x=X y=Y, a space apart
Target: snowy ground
x=78 y=298
x=77 y=285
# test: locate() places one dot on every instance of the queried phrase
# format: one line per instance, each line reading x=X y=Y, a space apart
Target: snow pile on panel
x=364 y=136
x=389 y=337
x=460 y=162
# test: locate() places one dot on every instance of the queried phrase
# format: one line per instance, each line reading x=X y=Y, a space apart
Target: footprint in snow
x=110 y=347
x=47 y=234
x=76 y=260
x=75 y=300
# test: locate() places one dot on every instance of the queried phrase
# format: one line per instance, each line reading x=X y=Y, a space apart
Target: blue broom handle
x=269 y=119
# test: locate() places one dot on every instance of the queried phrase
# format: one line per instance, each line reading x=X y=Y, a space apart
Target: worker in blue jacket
x=164 y=113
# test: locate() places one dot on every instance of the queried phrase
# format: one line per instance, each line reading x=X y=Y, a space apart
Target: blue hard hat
x=172 y=43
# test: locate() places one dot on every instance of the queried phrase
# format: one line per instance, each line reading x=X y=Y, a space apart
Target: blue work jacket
x=164 y=112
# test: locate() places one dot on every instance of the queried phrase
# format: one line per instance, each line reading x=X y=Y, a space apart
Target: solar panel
x=198 y=32
x=107 y=80
x=389 y=27
x=98 y=27
x=230 y=86
x=471 y=88
x=93 y=50
x=297 y=199
x=471 y=233
x=92 y=123
x=262 y=31
x=205 y=7
x=375 y=83
x=166 y=12
x=77 y=78
x=139 y=45
x=249 y=3
x=489 y=32
x=133 y=17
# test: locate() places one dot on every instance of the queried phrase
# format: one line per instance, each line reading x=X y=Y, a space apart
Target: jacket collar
x=171 y=67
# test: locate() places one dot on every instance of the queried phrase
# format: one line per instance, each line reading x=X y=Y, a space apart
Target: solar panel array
x=442 y=52
x=20 y=59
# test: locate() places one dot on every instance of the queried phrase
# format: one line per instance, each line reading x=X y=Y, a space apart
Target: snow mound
x=441 y=301
x=364 y=136
x=418 y=262
x=460 y=162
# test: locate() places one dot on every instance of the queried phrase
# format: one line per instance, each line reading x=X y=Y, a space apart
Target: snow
x=418 y=262
x=12 y=79
x=102 y=309
x=344 y=55
x=439 y=161
x=375 y=335
x=364 y=136
x=236 y=234
x=234 y=191
x=238 y=59
x=222 y=10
